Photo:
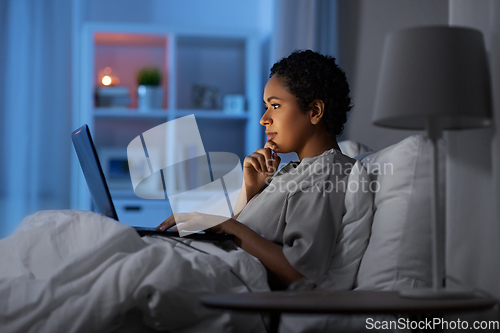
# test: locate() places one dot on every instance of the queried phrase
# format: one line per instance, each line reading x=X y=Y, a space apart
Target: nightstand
x=340 y=302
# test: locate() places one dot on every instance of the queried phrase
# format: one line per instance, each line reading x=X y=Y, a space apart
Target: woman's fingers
x=267 y=154
x=193 y=222
x=263 y=159
x=172 y=220
x=253 y=160
x=272 y=159
x=267 y=159
x=270 y=145
x=260 y=157
x=168 y=223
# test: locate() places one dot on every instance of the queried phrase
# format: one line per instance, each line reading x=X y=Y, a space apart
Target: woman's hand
x=258 y=168
x=195 y=222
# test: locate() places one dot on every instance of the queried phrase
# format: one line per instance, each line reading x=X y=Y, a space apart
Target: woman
x=292 y=221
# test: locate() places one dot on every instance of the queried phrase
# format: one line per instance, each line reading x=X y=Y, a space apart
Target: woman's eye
x=274 y=106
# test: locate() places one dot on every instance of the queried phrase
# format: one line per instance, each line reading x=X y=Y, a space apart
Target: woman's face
x=286 y=125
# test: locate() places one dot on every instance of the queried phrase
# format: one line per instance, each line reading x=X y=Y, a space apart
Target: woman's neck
x=317 y=145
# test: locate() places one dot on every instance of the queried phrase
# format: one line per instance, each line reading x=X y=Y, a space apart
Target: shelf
x=199 y=68
x=130 y=113
x=130 y=39
x=165 y=113
x=211 y=114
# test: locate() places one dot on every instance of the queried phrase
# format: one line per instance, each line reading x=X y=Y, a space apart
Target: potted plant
x=150 y=92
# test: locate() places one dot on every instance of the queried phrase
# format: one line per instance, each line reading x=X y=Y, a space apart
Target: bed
x=75 y=271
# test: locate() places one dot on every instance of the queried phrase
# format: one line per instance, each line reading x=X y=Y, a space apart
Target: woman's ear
x=316 y=111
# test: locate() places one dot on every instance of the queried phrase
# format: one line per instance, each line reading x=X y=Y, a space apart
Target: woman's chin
x=282 y=150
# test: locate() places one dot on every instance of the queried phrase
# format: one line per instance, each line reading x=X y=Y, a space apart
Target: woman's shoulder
x=332 y=163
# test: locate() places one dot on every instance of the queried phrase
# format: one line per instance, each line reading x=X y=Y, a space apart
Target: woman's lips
x=270 y=136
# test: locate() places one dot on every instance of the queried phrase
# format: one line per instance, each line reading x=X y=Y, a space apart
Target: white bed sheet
x=75 y=271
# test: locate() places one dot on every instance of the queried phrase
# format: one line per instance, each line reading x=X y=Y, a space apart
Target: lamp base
x=431 y=293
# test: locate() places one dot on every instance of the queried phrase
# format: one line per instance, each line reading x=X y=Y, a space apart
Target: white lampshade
x=434 y=73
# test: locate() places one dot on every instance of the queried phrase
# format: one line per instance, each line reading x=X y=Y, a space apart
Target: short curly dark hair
x=309 y=75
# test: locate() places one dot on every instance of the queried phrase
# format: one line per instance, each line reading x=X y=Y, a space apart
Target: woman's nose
x=266 y=119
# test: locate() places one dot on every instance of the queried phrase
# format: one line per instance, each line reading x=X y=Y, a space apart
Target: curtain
x=304 y=24
x=473 y=180
x=35 y=108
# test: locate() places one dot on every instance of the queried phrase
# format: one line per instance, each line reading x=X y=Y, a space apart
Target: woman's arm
x=270 y=254
x=241 y=202
x=257 y=169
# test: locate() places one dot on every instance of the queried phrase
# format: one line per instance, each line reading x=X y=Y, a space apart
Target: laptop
x=99 y=190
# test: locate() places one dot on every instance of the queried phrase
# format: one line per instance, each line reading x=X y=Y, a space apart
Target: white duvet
x=75 y=271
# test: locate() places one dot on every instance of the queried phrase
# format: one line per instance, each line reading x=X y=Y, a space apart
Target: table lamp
x=434 y=78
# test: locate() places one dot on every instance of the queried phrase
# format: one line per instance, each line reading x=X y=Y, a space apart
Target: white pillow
x=399 y=251
x=352 y=148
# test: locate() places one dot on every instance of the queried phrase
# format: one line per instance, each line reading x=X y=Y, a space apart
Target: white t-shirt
x=320 y=211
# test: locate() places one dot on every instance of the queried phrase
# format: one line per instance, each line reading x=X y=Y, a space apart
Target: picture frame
x=234 y=104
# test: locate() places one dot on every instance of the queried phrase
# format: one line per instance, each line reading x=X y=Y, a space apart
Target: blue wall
x=229 y=14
